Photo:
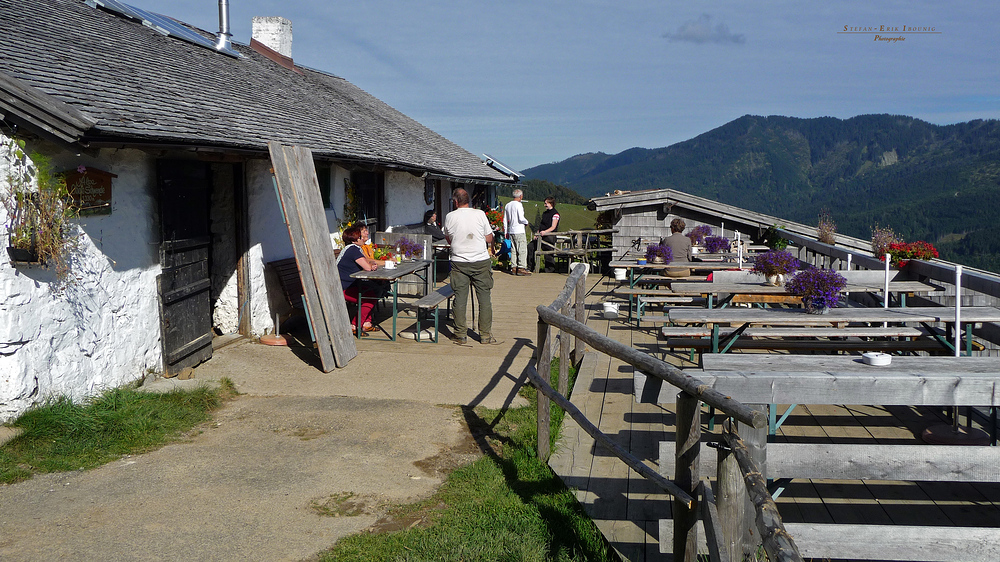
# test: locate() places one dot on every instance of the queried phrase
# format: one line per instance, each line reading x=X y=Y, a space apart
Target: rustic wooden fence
x=735 y=515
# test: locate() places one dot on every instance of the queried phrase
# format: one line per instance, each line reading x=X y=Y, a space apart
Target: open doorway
x=202 y=280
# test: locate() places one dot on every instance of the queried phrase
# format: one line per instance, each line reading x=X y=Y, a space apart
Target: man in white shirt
x=513 y=228
x=471 y=236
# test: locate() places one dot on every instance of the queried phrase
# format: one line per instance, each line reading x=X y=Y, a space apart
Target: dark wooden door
x=371 y=198
x=185 y=281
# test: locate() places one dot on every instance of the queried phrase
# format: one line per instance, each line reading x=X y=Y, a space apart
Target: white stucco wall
x=404 y=197
x=102 y=328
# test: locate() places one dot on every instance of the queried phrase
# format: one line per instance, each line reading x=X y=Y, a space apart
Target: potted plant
x=408 y=248
x=716 y=244
x=900 y=253
x=659 y=253
x=698 y=233
x=882 y=238
x=38 y=208
x=774 y=265
x=819 y=289
x=773 y=239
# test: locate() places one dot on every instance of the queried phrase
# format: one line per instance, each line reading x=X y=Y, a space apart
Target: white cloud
x=702 y=31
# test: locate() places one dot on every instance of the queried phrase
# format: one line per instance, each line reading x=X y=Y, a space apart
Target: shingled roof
x=139 y=86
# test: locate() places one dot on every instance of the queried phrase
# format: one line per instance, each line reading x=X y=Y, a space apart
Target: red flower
x=902 y=252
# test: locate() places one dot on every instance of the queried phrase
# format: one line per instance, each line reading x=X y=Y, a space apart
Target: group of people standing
x=470 y=236
x=522 y=254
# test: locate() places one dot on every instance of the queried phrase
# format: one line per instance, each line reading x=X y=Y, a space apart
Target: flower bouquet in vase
x=659 y=253
x=716 y=244
x=819 y=289
x=774 y=265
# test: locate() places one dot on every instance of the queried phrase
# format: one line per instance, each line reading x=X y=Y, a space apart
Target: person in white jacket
x=513 y=229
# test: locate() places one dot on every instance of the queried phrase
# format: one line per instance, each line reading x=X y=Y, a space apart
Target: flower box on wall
x=20 y=255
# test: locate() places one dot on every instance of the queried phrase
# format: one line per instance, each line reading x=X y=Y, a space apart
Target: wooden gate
x=185 y=281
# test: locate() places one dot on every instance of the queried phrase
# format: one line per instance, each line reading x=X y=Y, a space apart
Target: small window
x=323 y=178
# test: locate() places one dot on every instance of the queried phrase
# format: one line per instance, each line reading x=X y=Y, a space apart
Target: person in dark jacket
x=546 y=233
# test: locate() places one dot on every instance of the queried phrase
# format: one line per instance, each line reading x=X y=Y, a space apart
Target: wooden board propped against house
x=299 y=195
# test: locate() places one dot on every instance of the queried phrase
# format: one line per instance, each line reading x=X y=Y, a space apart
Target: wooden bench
x=429 y=303
x=290 y=281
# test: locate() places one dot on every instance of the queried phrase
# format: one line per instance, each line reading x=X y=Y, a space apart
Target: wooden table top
x=711 y=265
x=386 y=274
x=836 y=316
x=754 y=362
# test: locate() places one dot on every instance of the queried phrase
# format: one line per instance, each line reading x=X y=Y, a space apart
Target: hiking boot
x=463 y=340
x=489 y=340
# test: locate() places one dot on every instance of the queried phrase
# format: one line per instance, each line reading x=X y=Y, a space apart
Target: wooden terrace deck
x=628 y=509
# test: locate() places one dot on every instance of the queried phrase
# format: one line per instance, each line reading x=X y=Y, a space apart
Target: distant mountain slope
x=937 y=183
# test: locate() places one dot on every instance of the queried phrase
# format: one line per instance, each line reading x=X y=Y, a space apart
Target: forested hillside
x=538 y=190
x=928 y=182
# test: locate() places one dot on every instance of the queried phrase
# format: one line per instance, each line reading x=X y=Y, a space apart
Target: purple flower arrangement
x=716 y=244
x=775 y=262
x=698 y=233
x=409 y=248
x=659 y=251
x=819 y=288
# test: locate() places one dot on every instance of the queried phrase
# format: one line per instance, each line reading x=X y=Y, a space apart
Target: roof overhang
x=41 y=113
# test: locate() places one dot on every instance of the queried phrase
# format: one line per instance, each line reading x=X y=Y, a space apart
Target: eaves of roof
x=139 y=86
x=724 y=212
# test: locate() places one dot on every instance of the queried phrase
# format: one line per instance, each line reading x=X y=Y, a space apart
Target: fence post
x=729 y=498
x=564 y=358
x=688 y=441
x=756 y=442
x=543 y=351
x=581 y=311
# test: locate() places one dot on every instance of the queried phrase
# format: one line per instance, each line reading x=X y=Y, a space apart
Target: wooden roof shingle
x=138 y=85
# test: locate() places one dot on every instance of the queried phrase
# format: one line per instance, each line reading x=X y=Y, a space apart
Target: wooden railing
x=728 y=535
x=579 y=247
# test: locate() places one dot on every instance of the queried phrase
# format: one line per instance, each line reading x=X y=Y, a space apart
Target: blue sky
x=533 y=82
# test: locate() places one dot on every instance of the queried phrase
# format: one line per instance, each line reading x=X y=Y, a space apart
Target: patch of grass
x=508 y=505
x=62 y=435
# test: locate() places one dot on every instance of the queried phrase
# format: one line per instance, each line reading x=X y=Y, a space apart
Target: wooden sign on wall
x=91 y=190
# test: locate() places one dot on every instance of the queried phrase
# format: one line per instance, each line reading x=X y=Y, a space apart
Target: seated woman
x=352 y=260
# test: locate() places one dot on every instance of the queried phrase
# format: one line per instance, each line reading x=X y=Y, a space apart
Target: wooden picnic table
x=847 y=379
x=636 y=272
x=757 y=292
x=392 y=276
x=836 y=317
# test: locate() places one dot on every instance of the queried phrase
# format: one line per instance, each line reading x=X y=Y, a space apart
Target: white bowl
x=876 y=358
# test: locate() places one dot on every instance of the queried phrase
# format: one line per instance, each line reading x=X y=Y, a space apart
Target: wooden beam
x=911 y=389
x=896 y=542
x=825 y=461
x=302 y=205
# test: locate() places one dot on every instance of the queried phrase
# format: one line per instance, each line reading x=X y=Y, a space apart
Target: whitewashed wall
x=101 y=329
x=404 y=197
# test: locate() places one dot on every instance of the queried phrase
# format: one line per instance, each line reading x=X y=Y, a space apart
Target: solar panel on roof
x=162 y=24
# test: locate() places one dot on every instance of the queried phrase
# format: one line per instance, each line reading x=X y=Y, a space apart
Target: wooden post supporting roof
x=299 y=195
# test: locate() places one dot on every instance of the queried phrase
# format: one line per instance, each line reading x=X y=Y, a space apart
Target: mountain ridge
x=939 y=183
